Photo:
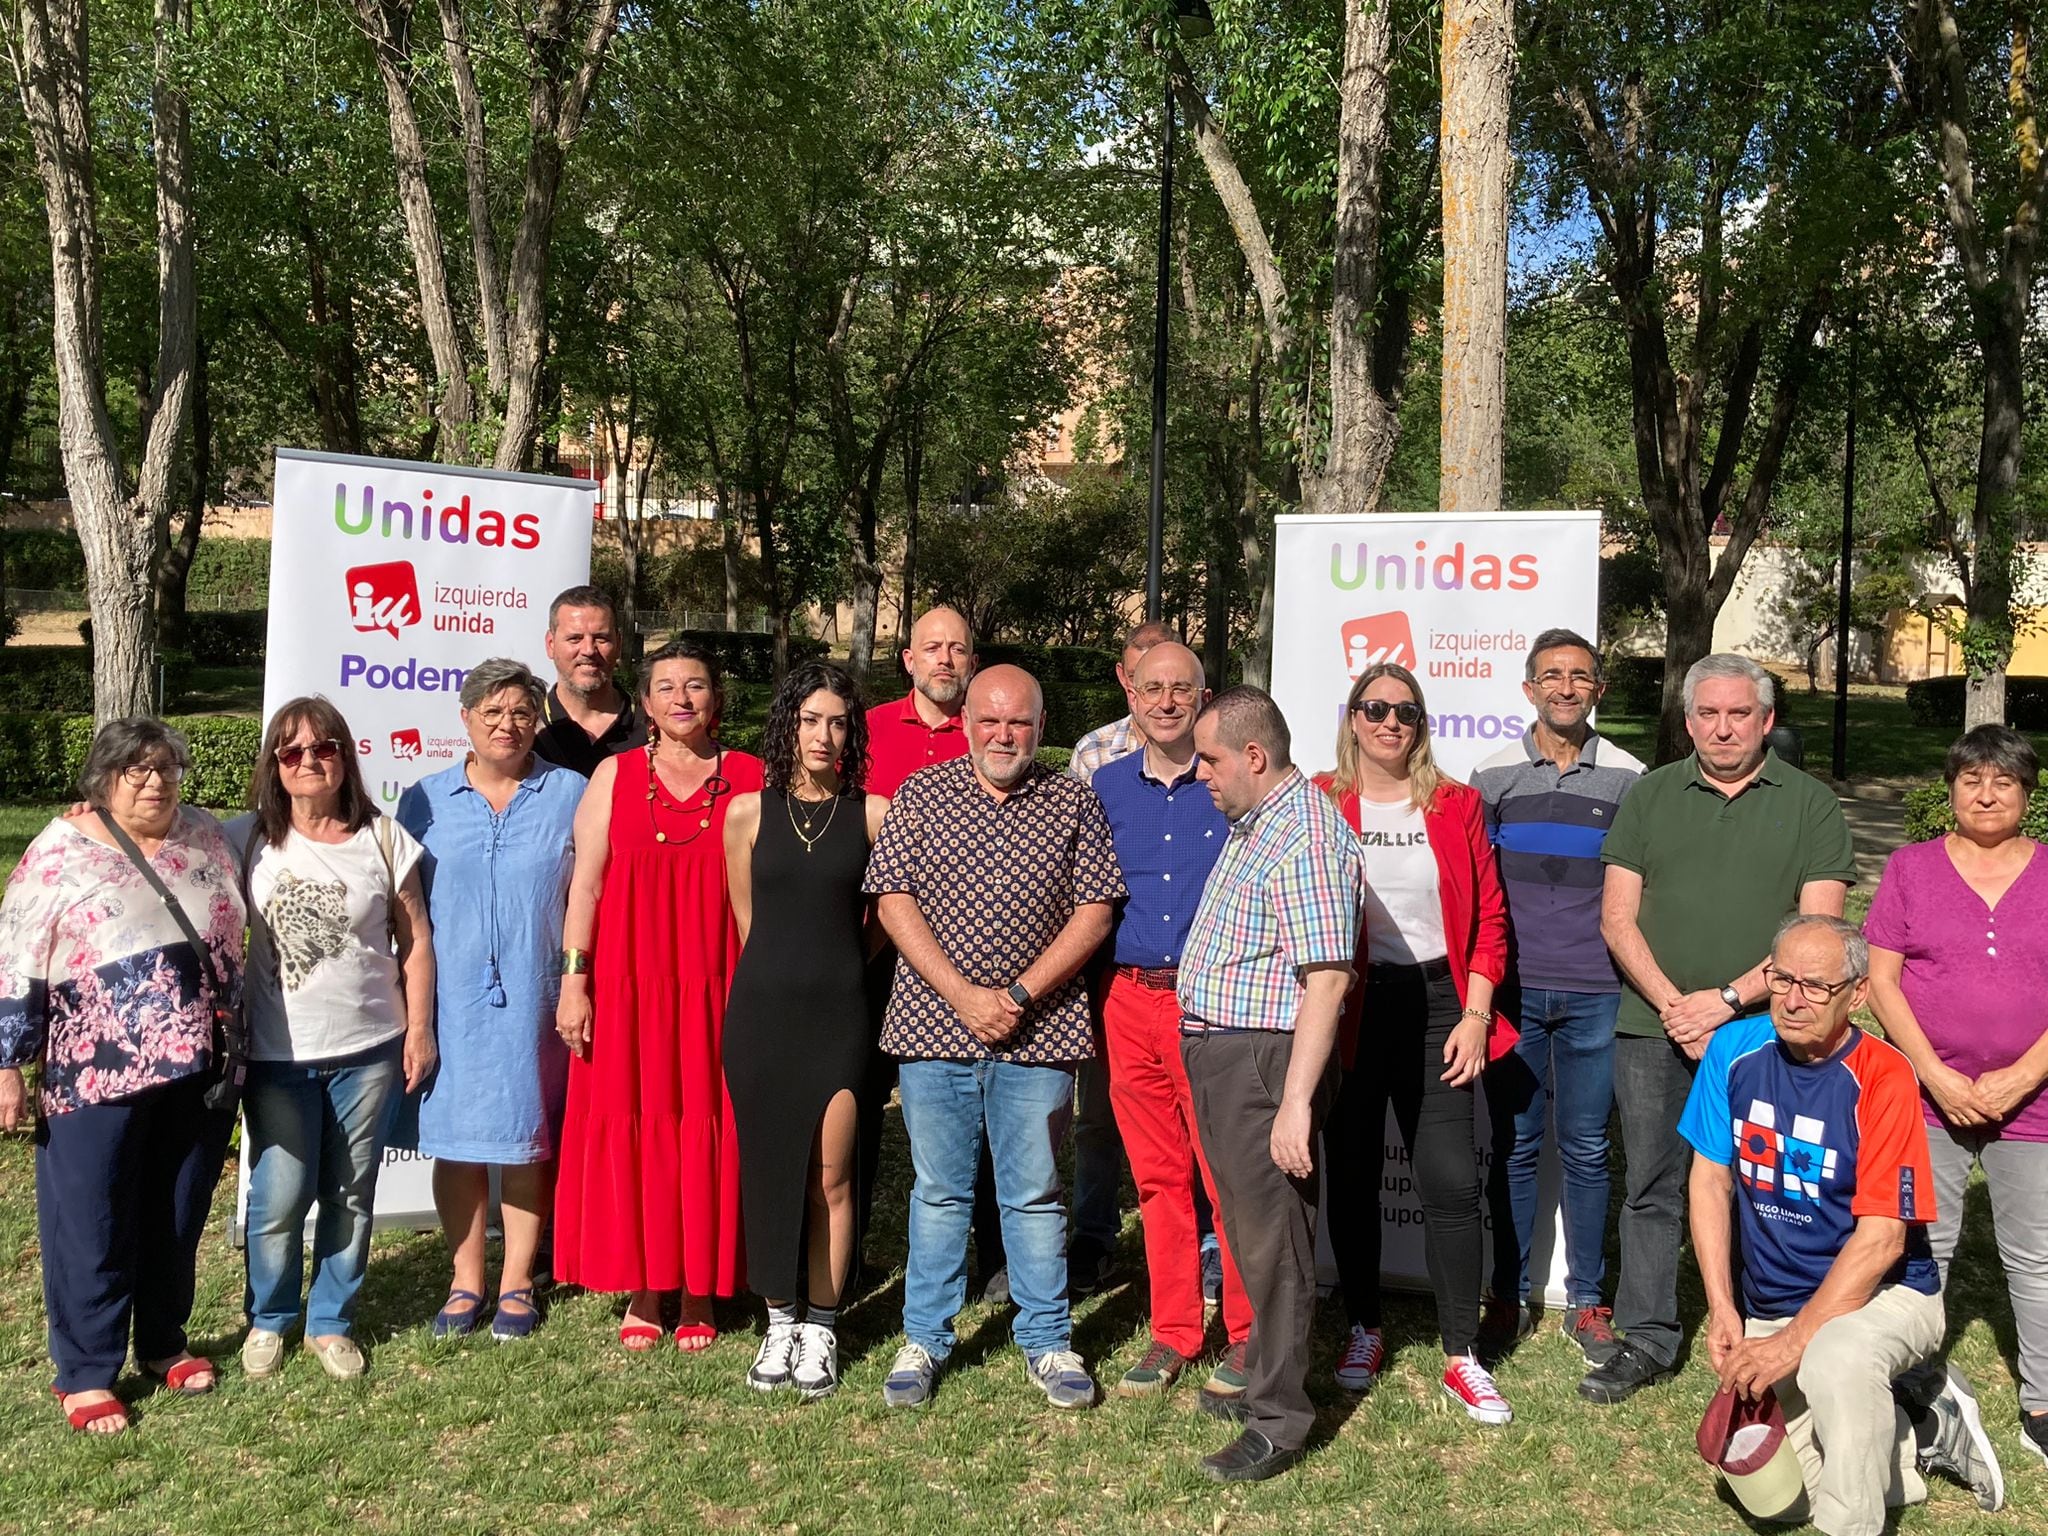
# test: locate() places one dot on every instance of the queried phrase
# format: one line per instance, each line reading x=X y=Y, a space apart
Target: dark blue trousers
x=122 y=1193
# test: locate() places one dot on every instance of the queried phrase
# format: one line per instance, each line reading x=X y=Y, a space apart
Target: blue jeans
x=316 y=1132
x=947 y=1108
x=1565 y=1057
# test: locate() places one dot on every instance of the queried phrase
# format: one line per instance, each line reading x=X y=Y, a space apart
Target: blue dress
x=497 y=885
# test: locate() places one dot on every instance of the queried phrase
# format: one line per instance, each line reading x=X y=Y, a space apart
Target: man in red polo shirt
x=920 y=729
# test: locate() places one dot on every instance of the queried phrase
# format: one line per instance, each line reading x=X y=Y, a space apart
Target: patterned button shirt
x=996 y=880
x=1287 y=893
x=1103 y=746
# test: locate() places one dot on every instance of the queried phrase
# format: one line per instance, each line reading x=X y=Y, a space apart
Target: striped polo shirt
x=1549 y=827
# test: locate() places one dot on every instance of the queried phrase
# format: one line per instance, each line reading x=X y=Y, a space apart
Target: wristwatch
x=1018 y=995
x=1732 y=998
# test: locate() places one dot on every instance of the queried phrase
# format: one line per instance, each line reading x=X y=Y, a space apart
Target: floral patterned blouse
x=96 y=980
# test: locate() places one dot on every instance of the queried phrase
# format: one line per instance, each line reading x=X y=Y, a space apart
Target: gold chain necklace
x=803 y=831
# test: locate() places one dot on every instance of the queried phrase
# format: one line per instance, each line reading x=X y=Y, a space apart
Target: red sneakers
x=1466 y=1380
x=1364 y=1353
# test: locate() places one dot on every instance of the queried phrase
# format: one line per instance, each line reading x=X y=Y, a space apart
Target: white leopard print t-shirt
x=322 y=980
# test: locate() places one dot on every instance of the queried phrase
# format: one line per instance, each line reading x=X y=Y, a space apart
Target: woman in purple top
x=1958 y=976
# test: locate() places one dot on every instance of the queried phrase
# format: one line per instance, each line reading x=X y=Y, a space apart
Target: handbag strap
x=390 y=880
x=172 y=905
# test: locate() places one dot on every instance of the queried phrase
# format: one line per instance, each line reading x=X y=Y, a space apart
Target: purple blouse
x=1976 y=976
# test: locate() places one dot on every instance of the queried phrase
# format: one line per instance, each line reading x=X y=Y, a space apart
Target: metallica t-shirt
x=1813 y=1146
x=1404 y=910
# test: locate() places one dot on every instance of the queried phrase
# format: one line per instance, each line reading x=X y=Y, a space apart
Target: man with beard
x=1549 y=800
x=997 y=880
x=587 y=717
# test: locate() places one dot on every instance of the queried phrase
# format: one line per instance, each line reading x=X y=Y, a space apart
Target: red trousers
x=1155 y=1114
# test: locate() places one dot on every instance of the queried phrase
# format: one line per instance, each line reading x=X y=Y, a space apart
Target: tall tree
x=1479 y=75
x=1724 y=157
x=48 y=43
x=1973 y=85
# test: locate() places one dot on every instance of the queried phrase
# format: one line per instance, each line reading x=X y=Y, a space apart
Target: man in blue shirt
x=1807 y=1141
x=1168 y=834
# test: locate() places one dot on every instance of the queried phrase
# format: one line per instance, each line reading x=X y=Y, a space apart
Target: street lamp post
x=1192 y=20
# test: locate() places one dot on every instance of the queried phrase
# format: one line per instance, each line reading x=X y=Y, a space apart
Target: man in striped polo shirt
x=1550 y=799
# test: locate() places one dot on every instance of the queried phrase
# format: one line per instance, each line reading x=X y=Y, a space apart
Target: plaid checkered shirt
x=1103 y=746
x=1287 y=893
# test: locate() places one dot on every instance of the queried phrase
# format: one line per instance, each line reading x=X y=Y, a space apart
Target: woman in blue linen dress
x=499 y=851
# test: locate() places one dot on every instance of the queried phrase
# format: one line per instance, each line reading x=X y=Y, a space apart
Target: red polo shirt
x=900 y=743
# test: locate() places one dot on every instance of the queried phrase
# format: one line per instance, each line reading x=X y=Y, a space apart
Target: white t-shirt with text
x=1404 y=913
x=323 y=980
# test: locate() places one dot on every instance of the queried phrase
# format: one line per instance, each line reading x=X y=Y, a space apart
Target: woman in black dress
x=796 y=1027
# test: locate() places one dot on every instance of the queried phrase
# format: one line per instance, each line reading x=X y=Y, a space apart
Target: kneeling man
x=1808 y=1139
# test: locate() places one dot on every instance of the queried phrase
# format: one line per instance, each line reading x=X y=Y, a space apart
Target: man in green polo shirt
x=1705 y=857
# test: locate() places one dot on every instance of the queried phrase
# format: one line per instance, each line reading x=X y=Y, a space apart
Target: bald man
x=996 y=880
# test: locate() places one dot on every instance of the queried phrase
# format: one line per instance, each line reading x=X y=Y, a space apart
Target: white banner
x=1456 y=600
x=388 y=582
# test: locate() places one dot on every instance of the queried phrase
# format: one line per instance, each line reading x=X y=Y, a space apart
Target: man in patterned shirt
x=997 y=881
x=1262 y=981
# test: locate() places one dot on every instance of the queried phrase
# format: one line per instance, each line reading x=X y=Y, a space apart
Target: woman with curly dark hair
x=796 y=1034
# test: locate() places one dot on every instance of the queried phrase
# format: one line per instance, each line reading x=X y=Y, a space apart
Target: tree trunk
x=1478 y=81
x=476 y=172
x=913 y=497
x=730 y=516
x=174 y=567
x=1988 y=631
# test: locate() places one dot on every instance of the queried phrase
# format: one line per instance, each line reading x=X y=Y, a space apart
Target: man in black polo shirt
x=588 y=717
x=1705 y=856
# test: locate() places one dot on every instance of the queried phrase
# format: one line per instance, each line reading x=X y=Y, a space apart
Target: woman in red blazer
x=1433 y=947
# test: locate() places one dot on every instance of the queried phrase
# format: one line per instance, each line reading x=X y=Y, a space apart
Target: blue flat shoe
x=452 y=1321
x=515 y=1325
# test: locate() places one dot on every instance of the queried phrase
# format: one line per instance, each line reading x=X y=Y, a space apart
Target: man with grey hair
x=1811 y=1197
x=1705 y=856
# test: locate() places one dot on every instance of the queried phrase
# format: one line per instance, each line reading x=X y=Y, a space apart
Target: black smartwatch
x=1018 y=995
x=1732 y=998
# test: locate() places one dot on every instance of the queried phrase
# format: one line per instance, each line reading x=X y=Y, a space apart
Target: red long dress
x=648 y=1194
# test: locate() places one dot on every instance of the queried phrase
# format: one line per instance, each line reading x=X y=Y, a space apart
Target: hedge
x=230 y=637
x=1072 y=710
x=1928 y=814
x=1635 y=685
x=1056 y=663
x=59 y=677
x=41 y=753
x=1939 y=701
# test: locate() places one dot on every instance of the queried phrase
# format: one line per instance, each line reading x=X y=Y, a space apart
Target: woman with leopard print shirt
x=341 y=1008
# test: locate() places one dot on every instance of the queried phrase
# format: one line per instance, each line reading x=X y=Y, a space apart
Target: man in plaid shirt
x=1262 y=981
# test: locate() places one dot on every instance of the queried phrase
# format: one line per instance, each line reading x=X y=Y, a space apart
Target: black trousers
x=122 y=1192
x=1410 y=1011
x=873 y=1104
x=1270 y=1218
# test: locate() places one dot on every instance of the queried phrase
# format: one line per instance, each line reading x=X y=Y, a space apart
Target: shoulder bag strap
x=390 y=879
x=214 y=982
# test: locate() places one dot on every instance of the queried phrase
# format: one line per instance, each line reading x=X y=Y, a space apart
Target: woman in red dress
x=648 y=1198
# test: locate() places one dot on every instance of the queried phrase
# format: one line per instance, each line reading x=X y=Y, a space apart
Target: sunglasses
x=1377 y=710
x=323 y=752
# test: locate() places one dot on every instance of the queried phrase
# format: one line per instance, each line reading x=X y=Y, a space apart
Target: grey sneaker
x=816 y=1371
x=1061 y=1376
x=262 y=1352
x=909 y=1382
x=772 y=1362
x=1960 y=1447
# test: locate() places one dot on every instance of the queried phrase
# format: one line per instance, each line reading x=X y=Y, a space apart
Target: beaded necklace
x=711 y=789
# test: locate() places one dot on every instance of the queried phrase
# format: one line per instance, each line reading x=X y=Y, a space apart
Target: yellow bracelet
x=575 y=962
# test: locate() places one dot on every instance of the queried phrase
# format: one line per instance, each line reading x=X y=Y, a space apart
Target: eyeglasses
x=323 y=752
x=1815 y=992
x=1376 y=710
x=1552 y=680
x=135 y=775
x=1180 y=693
x=518 y=719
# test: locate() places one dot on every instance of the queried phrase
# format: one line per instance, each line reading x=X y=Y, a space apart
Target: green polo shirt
x=1720 y=873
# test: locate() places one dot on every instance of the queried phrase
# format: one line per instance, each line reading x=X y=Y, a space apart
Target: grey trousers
x=2016 y=1174
x=1854 y=1443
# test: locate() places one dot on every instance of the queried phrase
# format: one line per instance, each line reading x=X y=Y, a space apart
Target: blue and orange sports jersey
x=1813 y=1146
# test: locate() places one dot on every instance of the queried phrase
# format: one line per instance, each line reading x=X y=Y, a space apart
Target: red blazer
x=1475 y=907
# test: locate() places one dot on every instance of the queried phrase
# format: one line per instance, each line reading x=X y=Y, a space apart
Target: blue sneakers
x=1061 y=1376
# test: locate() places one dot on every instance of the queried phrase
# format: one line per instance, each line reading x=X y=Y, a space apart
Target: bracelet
x=1480 y=1014
x=575 y=962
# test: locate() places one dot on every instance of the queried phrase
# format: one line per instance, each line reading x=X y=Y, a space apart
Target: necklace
x=711 y=789
x=803 y=830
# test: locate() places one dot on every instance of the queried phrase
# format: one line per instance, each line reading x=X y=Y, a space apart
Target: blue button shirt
x=1168 y=838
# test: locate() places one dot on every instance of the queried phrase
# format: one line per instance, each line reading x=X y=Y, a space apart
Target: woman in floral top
x=100 y=988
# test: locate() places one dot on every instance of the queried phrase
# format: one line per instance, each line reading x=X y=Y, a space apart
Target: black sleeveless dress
x=796 y=1024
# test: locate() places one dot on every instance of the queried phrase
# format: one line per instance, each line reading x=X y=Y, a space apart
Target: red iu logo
x=385 y=597
x=406 y=745
x=1376 y=638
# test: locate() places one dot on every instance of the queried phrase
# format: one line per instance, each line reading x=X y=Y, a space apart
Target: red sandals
x=182 y=1372
x=639 y=1337
x=692 y=1337
x=83 y=1417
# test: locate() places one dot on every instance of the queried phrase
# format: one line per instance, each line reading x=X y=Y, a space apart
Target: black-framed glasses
x=135 y=775
x=1376 y=710
x=1819 y=993
x=324 y=751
